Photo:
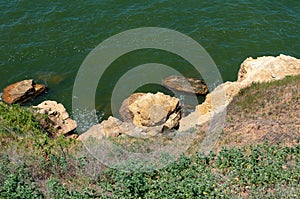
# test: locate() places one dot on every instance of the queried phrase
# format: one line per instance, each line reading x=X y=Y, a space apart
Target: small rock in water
x=50 y=78
x=22 y=91
x=188 y=85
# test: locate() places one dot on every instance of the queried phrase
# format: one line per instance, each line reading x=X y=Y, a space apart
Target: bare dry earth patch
x=264 y=112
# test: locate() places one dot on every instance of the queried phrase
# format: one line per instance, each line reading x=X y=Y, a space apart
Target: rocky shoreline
x=259 y=70
x=147 y=114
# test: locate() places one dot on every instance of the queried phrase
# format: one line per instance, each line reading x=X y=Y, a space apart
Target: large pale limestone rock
x=267 y=68
x=188 y=85
x=22 y=91
x=58 y=116
x=220 y=97
x=153 y=109
x=262 y=69
x=144 y=115
x=124 y=111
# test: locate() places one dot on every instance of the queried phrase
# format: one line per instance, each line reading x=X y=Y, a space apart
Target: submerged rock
x=50 y=77
x=22 y=91
x=188 y=85
x=59 y=117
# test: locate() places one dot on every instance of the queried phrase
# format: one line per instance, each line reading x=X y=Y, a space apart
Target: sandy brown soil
x=268 y=112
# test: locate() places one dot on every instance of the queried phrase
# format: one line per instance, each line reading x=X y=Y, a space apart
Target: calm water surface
x=48 y=40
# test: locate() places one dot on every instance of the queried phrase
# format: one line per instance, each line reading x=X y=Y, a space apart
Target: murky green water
x=48 y=40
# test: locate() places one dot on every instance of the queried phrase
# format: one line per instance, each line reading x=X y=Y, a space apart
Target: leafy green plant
x=19 y=184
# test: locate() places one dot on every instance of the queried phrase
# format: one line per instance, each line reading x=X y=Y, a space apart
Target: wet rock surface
x=22 y=91
x=188 y=85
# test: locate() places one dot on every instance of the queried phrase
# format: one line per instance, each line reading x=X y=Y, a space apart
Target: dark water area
x=48 y=40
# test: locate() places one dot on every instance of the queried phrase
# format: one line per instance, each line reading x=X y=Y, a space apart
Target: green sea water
x=48 y=40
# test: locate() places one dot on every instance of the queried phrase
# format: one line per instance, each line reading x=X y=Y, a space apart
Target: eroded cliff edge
x=261 y=69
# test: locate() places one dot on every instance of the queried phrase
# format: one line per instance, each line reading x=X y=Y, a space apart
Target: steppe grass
x=34 y=165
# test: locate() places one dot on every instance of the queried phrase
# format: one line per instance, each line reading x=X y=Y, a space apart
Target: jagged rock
x=58 y=116
x=154 y=109
x=188 y=85
x=173 y=120
x=144 y=114
x=267 y=68
x=220 y=97
x=262 y=69
x=124 y=111
x=22 y=91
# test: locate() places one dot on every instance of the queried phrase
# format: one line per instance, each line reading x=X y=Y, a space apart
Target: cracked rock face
x=149 y=110
x=124 y=111
x=58 y=116
x=153 y=109
x=144 y=114
x=267 y=68
x=22 y=91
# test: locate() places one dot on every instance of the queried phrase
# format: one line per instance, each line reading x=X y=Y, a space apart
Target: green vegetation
x=34 y=165
x=261 y=171
x=30 y=159
x=15 y=121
